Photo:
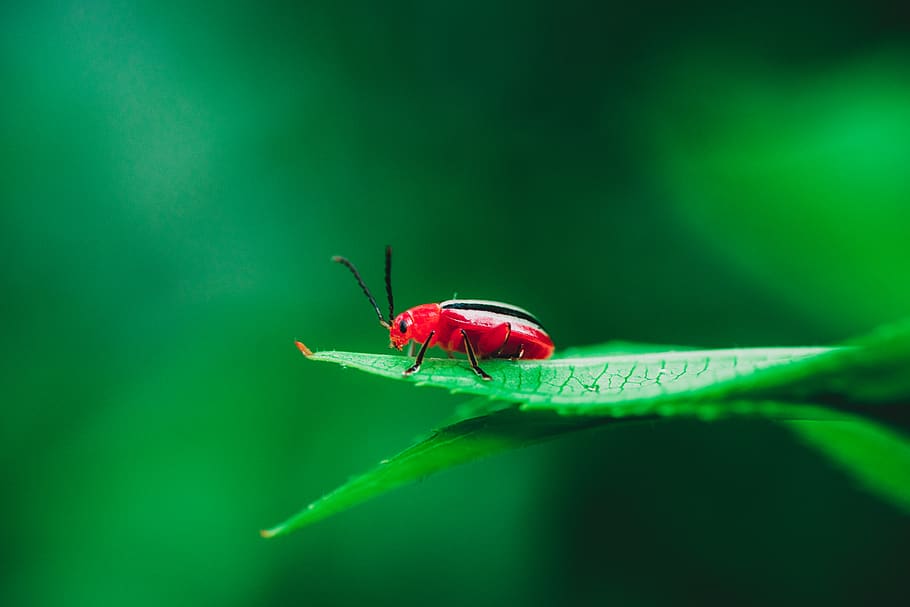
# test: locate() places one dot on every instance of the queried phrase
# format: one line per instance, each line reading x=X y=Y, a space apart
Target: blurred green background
x=175 y=177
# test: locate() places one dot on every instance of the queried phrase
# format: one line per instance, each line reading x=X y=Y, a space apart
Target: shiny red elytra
x=479 y=328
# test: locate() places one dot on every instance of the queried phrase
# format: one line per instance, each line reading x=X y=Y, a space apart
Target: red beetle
x=480 y=328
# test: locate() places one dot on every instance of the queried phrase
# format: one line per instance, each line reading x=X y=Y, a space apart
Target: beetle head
x=416 y=324
x=401 y=330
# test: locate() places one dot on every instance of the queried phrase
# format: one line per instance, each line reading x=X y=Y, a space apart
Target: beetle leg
x=504 y=341
x=423 y=350
x=411 y=349
x=470 y=350
x=521 y=353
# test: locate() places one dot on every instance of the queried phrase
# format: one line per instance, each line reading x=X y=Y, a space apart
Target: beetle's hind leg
x=472 y=357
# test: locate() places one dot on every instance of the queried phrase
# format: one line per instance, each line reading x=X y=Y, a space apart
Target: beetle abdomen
x=484 y=322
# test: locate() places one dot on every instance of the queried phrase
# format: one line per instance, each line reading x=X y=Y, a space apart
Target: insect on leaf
x=872 y=370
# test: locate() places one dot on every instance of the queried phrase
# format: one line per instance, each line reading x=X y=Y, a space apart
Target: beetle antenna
x=388 y=281
x=363 y=286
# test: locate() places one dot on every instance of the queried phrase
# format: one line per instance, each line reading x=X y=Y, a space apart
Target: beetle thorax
x=417 y=324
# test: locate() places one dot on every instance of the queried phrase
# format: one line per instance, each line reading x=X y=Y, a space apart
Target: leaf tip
x=303 y=349
x=268 y=533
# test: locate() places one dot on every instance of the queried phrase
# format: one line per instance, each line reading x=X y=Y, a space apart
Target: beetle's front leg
x=423 y=350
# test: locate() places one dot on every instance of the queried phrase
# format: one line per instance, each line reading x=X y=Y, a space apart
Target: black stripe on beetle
x=491 y=307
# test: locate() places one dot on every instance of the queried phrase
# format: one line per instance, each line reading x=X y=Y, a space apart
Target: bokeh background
x=175 y=176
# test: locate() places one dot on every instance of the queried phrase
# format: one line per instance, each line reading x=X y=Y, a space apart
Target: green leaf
x=458 y=443
x=873 y=370
x=878 y=457
x=813 y=390
x=502 y=429
x=581 y=384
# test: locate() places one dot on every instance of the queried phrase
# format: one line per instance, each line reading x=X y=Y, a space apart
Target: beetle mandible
x=477 y=327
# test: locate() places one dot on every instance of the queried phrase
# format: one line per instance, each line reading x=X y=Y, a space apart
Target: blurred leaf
x=509 y=427
x=876 y=456
x=461 y=442
x=615 y=347
x=813 y=159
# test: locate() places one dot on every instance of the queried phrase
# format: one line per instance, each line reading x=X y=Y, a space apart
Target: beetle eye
x=403 y=326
